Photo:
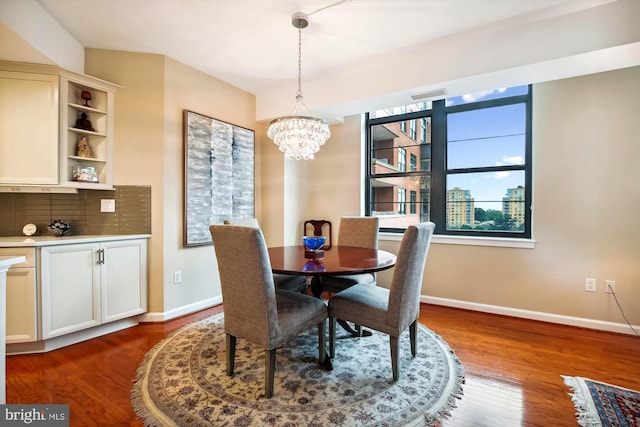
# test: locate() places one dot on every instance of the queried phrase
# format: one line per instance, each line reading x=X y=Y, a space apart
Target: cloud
x=501 y=175
x=473 y=97
x=513 y=160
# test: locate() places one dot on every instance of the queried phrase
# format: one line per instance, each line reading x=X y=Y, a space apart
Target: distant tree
x=494 y=215
x=505 y=222
x=480 y=214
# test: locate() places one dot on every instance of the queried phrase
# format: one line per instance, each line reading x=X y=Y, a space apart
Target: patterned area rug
x=183 y=382
x=600 y=404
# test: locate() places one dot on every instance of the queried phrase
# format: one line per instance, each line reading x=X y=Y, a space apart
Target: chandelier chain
x=299 y=93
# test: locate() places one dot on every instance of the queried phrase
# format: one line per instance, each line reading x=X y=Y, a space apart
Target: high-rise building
x=460 y=208
x=513 y=204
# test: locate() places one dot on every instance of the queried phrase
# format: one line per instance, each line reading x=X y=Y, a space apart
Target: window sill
x=502 y=242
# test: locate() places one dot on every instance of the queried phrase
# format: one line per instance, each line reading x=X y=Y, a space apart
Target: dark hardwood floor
x=513 y=369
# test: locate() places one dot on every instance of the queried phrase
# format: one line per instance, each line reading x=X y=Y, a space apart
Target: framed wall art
x=219 y=175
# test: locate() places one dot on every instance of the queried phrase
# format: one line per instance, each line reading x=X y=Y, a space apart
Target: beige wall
x=586 y=195
x=149 y=148
x=586 y=207
x=138 y=139
x=324 y=188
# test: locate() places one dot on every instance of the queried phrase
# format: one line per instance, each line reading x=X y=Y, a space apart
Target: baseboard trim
x=163 y=316
x=43 y=346
x=621 y=328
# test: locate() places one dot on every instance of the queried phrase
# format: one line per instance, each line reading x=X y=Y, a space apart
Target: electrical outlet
x=610 y=286
x=177 y=277
x=590 y=284
x=107 y=205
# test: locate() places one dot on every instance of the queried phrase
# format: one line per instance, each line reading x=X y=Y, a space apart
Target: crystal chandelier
x=299 y=136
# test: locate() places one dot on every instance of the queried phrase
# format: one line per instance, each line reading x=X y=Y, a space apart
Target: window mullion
x=438 y=162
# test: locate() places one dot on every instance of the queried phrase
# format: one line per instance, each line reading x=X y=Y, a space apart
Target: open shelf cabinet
x=89 y=121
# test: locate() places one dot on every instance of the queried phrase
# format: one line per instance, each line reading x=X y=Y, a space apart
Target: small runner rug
x=601 y=404
x=183 y=382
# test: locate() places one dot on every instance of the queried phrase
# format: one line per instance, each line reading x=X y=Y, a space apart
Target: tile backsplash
x=81 y=210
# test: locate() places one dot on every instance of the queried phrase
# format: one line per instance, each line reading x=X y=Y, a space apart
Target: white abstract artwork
x=219 y=175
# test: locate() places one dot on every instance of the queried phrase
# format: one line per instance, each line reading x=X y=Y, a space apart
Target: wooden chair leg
x=413 y=337
x=394 y=344
x=231 y=353
x=269 y=372
x=332 y=337
x=322 y=341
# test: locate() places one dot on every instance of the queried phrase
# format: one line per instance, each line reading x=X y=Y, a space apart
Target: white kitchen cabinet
x=22 y=297
x=5 y=263
x=89 y=284
x=45 y=112
x=70 y=288
x=98 y=112
x=28 y=128
x=123 y=279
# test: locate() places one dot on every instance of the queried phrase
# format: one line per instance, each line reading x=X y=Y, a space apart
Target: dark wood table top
x=341 y=260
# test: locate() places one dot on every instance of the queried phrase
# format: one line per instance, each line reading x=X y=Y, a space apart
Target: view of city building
x=480 y=163
x=513 y=204
x=404 y=146
x=460 y=208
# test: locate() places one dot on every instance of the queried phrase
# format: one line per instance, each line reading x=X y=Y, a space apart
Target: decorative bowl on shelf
x=84 y=174
x=314 y=242
x=59 y=228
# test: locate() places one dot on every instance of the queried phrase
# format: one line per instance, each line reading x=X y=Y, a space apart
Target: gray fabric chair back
x=282 y=281
x=360 y=231
x=245 y=222
x=248 y=291
x=404 y=293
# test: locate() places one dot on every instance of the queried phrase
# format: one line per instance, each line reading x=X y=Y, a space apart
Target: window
x=412 y=202
x=469 y=169
x=402 y=159
x=423 y=131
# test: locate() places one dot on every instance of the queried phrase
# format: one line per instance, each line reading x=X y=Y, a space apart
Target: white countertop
x=7 y=261
x=36 y=241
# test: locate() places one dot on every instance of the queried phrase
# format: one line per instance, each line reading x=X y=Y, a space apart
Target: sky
x=487 y=137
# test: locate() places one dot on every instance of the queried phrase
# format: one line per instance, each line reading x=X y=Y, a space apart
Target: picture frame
x=219 y=160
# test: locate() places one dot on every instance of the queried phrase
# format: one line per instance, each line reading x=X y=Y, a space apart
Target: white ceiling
x=251 y=44
x=357 y=55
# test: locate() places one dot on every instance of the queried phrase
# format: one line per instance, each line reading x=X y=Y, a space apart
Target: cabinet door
x=22 y=314
x=21 y=305
x=28 y=128
x=123 y=279
x=70 y=286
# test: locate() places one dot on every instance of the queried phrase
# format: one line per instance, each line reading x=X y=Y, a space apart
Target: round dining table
x=339 y=260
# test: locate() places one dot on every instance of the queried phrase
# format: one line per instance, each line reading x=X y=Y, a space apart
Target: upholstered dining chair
x=360 y=231
x=253 y=309
x=286 y=282
x=392 y=310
